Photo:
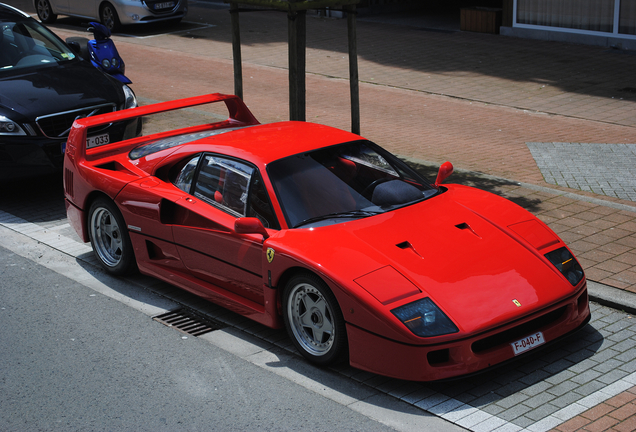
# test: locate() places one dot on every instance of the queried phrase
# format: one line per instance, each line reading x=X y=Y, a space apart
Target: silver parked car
x=113 y=13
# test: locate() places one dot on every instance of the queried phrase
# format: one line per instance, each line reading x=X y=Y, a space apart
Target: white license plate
x=528 y=343
x=164 y=5
x=97 y=140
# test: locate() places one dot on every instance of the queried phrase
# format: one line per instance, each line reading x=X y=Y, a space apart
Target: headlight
x=565 y=262
x=9 y=127
x=114 y=62
x=131 y=100
x=424 y=318
x=105 y=64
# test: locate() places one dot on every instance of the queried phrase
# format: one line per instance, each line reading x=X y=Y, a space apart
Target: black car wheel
x=45 y=12
x=108 y=16
x=109 y=237
x=314 y=320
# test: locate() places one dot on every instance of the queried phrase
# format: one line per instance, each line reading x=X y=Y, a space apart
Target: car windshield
x=344 y=182
x=26 y=43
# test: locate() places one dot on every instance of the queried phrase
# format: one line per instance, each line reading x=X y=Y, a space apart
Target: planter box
x=482 y=20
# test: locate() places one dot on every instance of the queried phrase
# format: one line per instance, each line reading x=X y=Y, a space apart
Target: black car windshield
x=344 y=182
x=26 y=43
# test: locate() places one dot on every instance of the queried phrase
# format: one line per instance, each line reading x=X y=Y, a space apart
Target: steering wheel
x=368 y=191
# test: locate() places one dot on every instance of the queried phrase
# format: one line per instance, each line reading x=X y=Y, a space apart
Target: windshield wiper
x=348 y=214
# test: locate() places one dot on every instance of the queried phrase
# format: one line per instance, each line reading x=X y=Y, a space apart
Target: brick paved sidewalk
x=616 y=414
x=477 y=100
x=485 y=127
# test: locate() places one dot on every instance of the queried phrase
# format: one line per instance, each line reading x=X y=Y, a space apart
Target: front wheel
x=108 y=16
x=109 y=237
x=313 y=320
x=45 y=11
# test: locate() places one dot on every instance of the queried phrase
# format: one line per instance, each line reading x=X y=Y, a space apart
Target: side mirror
x=250 y=225
x=444 y=172
x=75 y=46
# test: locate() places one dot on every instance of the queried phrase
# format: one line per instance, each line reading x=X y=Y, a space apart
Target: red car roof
x=262 y=144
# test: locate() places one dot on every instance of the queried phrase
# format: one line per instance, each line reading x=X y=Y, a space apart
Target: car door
x=85 y=8
x=223 y=190
x=60 y=6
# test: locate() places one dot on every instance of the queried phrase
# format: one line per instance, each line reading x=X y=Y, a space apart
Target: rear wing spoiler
x=239 y=115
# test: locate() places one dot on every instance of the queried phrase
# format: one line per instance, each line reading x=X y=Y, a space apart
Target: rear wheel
x=108 y=16
x=45 y=11
x=109 y=237
x=313 y=320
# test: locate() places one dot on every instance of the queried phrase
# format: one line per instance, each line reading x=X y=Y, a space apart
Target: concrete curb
x=612 y=297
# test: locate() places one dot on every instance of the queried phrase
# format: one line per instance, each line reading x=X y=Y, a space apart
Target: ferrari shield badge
x=516 y=302
x=270 y=255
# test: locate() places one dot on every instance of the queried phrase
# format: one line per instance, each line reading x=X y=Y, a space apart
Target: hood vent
x=408 y=245
x=465 y=226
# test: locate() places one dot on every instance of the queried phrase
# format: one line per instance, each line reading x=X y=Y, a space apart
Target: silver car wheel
x=107 y=237
x=45 y=11
x=109 y=17
x=311 y=319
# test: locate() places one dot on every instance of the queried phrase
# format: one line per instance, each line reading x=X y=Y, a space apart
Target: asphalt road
x=75 y=359
x=537 y=392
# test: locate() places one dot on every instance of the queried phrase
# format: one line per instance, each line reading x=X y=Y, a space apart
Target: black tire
x=108 y=16
x=314 y=321
x=45 y=11
x=109 y=238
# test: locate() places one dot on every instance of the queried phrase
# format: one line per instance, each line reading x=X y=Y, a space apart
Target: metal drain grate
x=187 y=322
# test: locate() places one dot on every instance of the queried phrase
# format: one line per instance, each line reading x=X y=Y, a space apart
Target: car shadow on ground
x=522 y=377
x=37 y=200
x=130 y=31
x=528 y=374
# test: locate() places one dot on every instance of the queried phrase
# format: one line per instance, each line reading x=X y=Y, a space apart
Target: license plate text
x=97 y=140
x=528 y=343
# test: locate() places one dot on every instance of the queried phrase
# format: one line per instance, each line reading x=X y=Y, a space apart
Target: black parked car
x=44 y=87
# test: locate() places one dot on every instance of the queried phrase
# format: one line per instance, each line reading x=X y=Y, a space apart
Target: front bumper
x=376 y=354
x=135 y=12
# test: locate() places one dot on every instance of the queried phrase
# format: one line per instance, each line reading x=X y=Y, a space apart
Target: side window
x=232 y=186
x=185 y=176
x=224 y=183
x=259 y=204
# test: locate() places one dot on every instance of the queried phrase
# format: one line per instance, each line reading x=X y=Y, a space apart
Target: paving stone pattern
x=605 y=169
x=617 y=414
x=536 y=392
x=474 y=99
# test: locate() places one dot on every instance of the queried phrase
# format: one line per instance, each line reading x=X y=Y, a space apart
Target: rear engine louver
x=68 y=182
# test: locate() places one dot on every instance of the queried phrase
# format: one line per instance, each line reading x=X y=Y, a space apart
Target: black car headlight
x=424 y=318
x=9 y=127
x=130 y=99
x=565 y=262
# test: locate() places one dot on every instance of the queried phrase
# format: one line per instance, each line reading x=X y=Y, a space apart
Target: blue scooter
x=101 y=51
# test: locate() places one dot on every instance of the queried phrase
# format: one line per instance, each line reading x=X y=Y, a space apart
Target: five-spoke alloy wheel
x=109 y=237
x=314 y=320
x=108 y=16
x=45 y=11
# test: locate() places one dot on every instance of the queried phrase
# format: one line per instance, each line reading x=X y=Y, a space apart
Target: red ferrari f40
x=324 y=232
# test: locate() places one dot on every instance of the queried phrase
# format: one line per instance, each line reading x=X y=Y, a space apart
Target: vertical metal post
x=297 y=30
x=353 y=69
x=236 y=50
